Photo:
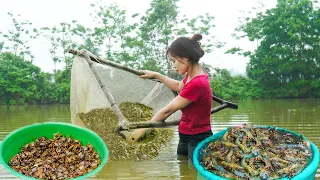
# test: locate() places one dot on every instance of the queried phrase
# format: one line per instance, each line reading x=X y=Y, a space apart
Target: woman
x=195 y=95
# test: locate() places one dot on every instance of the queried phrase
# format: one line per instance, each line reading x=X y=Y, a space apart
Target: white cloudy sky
x=48 y=13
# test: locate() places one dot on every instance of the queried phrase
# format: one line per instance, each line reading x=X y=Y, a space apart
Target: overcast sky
x=49 y=13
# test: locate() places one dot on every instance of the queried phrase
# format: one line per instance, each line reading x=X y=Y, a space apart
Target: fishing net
x=138 y=100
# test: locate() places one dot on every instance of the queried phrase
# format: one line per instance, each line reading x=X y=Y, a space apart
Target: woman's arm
x=176 y=104
x=173 y=84
x=169 y=82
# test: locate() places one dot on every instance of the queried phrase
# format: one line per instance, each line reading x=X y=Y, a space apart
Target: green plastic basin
x=308 y=173
x=13 y=142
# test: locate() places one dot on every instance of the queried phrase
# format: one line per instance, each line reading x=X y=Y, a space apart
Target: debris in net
x=58 y=158
x=253 y=152
x=104 y=122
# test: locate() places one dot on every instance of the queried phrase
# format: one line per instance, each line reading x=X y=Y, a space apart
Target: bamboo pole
x=149 y=124
x=109 y=63
x=136 y=125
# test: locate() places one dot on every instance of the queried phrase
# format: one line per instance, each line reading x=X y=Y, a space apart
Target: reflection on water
x=301 y=116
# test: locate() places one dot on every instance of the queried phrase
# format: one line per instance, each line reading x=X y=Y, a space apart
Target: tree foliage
x=61 y=40
x=17 y=38
x=161 y=24
x=20 y=80
x=286 y=63
x=113 y=32
x=237 y=87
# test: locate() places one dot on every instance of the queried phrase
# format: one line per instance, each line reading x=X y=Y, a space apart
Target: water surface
x=301 y=116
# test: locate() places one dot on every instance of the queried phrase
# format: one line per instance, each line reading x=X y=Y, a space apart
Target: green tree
x=45 y=89
x=20 y=80
x=286 y=61
x=161 y=24
x=86 y=36
x=1 y=46
x=234 y=87
x=113 y=32
x=156 y=32
x=18 y=37
x=50 y=34
x=62 y=86
x=202 y=24
x=61 y=39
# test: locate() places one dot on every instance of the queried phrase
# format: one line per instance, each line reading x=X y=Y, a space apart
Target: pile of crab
x=58 y=158
x=249 y=152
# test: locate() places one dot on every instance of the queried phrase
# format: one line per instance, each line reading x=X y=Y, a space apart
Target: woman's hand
x=148 y=74
x=136 y=135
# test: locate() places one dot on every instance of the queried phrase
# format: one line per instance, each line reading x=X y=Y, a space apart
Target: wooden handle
x=104 y=61
x=165 y=124
x=149 y=124
x=109 y=63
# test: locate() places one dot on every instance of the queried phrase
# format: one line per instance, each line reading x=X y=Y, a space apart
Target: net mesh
x=87 y=95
